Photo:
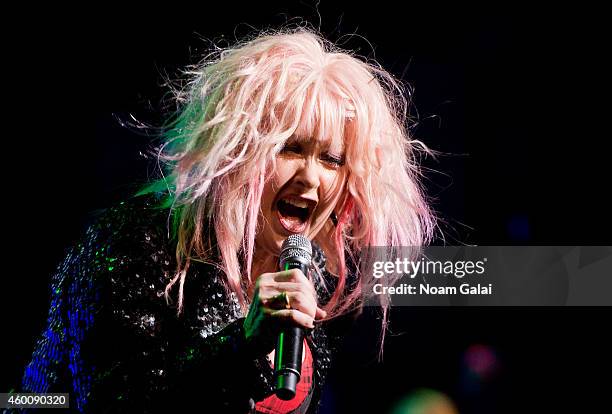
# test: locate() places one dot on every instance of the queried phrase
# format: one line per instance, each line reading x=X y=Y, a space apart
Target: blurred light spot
x=425 y=401
x=481 y=361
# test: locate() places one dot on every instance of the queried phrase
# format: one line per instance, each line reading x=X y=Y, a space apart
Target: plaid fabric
x=303 y=392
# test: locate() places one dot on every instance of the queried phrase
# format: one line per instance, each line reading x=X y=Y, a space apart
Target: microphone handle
x=288 y=355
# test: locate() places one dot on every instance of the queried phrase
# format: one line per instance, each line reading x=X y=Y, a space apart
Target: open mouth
x=294 y=213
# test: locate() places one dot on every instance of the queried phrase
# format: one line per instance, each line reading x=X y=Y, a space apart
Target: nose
x=307 y=174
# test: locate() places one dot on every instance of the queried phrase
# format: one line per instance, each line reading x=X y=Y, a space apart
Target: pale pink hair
x=240 y=107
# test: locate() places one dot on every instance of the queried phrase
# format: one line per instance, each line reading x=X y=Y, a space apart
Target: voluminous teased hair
x=238 y=109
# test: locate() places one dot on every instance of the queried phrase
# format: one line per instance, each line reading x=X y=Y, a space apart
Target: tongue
x=293 y=224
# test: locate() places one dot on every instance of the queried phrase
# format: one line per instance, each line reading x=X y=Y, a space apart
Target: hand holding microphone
x=283 y=304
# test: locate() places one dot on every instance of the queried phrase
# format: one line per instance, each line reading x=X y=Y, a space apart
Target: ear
x=340 y=207
x=334 y=218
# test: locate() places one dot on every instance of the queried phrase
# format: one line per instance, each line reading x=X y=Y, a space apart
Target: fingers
x=288 y=280
x=277 y=287
x=271 y=284
x=293 y=317
x=290 y=288
x=299 y=300
x=292 y=275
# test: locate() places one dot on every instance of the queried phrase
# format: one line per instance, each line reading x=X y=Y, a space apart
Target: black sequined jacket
x=115 y=345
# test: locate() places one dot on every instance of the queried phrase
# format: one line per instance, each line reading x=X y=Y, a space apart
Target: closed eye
x=291 y=148
x=330 y=159
x=334 y=160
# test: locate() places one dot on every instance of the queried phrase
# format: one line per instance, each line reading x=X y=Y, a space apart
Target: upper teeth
x=296 y=202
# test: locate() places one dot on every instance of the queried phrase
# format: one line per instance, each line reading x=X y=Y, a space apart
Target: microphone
x=296 y=253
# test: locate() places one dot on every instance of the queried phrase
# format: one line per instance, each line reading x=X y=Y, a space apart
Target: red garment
x=303 y=391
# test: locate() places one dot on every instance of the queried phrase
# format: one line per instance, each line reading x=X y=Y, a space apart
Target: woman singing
x=174 y=297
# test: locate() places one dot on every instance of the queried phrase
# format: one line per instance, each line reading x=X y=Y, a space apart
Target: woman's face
x=303 y=192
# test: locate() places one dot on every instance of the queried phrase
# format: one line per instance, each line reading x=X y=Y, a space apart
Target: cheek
x=332 y=185
x=282 y=175
x=285 y=169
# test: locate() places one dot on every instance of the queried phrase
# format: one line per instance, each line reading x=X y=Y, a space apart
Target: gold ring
x=286 y=300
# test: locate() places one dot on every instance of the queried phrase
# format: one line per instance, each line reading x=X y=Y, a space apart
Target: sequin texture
x=115 y=344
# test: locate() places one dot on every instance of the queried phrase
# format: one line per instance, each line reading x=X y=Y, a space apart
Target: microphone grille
x=295 y=247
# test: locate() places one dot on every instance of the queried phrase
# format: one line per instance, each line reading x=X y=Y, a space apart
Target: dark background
x=513 y=97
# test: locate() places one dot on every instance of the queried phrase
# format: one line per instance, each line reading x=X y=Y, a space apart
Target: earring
x=334 y=218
